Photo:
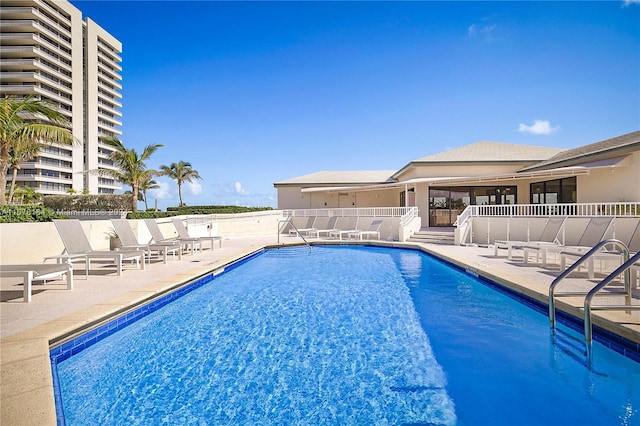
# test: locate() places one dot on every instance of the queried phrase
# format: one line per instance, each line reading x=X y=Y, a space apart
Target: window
x=554 y=191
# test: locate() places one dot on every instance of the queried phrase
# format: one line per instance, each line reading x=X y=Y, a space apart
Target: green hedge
x=150 y=215
x=107 y=202
x=28 y=213
x=215 y=209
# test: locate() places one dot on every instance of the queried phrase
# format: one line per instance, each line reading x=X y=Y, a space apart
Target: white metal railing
x=206 y=219
x=545 y=210
x=464 y=221
x=409 y=216
x=350 y=212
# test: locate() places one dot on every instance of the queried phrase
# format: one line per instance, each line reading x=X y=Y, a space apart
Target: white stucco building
x=483 y=173
x=48 y=51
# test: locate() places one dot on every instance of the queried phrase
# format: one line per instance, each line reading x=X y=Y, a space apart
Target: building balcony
x=16 y=12
x=108 y=101
x=33 y=39
x=111 y=74
x=19 y=39
x=112 y=122
x=110 y=50
x=110 y=90
x=17 y=64
x=109 y=56
x=8 y=52
x=26 y=25
x=109 y=62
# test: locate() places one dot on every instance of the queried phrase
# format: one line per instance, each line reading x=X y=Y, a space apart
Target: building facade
x=49 y=52
x=484 y=173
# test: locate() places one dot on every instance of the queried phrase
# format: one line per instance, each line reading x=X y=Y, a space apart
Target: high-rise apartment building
x=48 y=51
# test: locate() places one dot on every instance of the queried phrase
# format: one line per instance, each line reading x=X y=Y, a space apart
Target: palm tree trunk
x=14 y=176
x=134 y=198
x=180 y=193
x=144 y=194
x=4 y=166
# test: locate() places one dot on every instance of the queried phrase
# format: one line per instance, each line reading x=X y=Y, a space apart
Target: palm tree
x=180 y=172
x=18 y=154
x=132 y=169
x=144 y=187
x=27 y=195
x=28 y=121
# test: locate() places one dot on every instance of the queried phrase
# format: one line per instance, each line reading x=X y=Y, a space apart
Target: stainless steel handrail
x=294 y=227
x=624 y=268
x=595 y=249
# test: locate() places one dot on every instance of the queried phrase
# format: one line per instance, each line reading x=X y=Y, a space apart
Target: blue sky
x=252 y=93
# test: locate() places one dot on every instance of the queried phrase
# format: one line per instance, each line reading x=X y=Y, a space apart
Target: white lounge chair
x=549 y=235
x=351 y=226
x=183 y=234
x=190 y=244
x=130 y=242
x=374 y=229
x=631 y=240
x=37 y=272
x=305 y=229
x=78 y=247
x=331 y=226
x=593 y=233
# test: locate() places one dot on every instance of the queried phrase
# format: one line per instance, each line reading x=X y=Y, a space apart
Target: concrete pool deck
x=55 y=313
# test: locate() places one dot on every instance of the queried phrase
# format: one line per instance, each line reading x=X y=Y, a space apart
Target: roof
x=492 y=152
x=536 y=158
x=619 y=145
x=351 y=177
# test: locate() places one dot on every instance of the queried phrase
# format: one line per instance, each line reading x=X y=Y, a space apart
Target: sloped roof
x=609 y=147
x=351 y=177
x=492 y=152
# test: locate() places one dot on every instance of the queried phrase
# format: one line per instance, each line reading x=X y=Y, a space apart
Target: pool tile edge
x=31 y=405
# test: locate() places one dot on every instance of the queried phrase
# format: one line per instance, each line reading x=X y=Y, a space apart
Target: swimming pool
x=345 y=335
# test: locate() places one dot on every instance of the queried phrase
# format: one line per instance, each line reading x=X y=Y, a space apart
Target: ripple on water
x=320 y=337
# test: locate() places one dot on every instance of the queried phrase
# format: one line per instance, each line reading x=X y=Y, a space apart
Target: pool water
x=346 y=335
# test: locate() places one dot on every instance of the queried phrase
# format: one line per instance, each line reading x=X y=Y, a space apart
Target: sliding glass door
x=446 y=203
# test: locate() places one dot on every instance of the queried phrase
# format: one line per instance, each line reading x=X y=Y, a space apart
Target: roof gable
x=607 y=148
x=492 y=152
x=334 y=177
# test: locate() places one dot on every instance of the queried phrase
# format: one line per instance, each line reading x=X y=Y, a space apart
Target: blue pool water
x=346 y=335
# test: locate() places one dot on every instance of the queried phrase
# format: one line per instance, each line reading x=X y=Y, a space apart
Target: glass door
x=445 y=204
x=439 y=212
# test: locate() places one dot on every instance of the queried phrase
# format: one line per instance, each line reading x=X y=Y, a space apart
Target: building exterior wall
x=43 y=46
x=292 y=197
x=459 y=170
x=611 y=184
x=102 y=60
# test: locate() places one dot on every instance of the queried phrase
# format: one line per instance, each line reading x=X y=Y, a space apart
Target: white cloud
x=239 y=189
x=626 y=3
x=161 y=193
x=193 y=188
x=484 y=31
x=539 y=127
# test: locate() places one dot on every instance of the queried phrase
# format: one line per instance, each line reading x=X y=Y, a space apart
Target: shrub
x=28 y=213
x=107 y=202
x=150 y=215
x=215 y=209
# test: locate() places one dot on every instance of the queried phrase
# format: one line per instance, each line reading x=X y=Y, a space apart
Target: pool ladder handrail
x=288 y=220
x=574 y=266
x=623 y=269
